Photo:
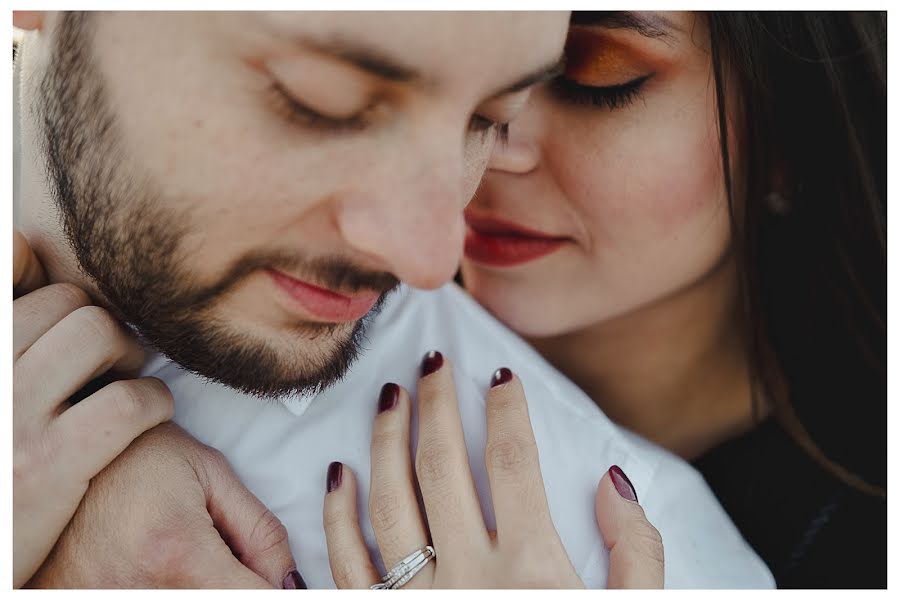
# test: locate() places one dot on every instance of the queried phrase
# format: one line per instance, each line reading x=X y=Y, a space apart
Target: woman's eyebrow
x=648 y=24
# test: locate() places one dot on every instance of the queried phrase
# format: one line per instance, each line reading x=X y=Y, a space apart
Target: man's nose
x=409 y=216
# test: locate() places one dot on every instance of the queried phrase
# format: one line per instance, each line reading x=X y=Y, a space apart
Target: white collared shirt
x=281 y=451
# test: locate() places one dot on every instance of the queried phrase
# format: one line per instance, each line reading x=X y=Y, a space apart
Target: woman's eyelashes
x=609 y=97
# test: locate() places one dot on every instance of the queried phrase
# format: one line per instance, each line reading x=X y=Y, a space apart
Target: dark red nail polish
x=335 y=473
x=622 y=483
x=433 y=361
x=390 y=393
x=293 y=581
x=501 y=376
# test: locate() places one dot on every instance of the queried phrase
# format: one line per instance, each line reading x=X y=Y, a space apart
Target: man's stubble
x=125 y=237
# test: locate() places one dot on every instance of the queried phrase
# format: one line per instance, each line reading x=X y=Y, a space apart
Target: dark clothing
x=810 y=528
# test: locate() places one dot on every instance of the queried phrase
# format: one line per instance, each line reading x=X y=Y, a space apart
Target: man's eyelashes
x=483 y=124
x=297 y=112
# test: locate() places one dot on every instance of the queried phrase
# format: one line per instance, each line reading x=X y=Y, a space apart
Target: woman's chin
x=527 y=319
x=523 y=305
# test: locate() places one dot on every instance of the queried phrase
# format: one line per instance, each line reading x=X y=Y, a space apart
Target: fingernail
x=335 y=473
x=433 y=361
x=390 y=393
x=622 y=483
x=293 y=581
x=501 y=376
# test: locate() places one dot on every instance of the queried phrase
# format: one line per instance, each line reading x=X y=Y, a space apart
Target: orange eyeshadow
x=594 y=59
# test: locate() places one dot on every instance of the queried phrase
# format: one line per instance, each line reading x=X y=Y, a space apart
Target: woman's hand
x=636 y=558
x=524 y=552
x=60 y=343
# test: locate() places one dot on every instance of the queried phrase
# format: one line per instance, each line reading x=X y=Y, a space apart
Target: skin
x=524 y=551
x=190 y=502
x=193 y=500
x=47 y=320
x=200 y=174
x=639 y=307
x=191 y=495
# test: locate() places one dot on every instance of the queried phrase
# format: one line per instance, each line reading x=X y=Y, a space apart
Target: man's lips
x=322 y=304
x=499 y=243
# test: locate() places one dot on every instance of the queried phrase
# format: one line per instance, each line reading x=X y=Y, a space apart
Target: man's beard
x=126 y=240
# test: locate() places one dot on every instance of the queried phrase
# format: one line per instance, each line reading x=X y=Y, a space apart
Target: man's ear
x=28 y=20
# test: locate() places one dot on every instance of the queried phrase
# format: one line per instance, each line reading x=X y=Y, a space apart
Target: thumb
x=28 y=274
x=255 y=535
x=635 y=546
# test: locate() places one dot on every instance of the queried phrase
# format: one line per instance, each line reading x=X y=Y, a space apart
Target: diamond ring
x=406 y=569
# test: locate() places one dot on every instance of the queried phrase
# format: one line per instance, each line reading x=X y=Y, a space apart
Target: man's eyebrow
x=648 y=24
x=545 y=73
x=377 y=63
x=366 y=58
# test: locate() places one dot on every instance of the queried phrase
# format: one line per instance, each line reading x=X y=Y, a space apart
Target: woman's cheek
x=662 y=192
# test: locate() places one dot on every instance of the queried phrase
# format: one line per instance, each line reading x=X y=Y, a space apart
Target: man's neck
x=674 y=372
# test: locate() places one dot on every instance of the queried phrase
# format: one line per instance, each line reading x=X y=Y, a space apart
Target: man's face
x=246 y=188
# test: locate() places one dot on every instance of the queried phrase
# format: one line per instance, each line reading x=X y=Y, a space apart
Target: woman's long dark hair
x=806 y=173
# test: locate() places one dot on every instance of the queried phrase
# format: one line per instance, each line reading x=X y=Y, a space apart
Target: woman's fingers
x=636 y=559
x=442 y=465
x=513 y=468
x=393 y=508
x=351 y=566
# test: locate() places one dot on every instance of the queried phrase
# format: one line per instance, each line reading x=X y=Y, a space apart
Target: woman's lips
x=498 y=243
x=324 y=305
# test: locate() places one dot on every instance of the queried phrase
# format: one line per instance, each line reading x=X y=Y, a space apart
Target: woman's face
x=609 y=195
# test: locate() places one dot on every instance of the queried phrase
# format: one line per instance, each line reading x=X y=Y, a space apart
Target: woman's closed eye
x=610 y=96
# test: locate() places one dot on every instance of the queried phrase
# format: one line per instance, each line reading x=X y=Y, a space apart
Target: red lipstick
x=322 y=304
x=499 y=243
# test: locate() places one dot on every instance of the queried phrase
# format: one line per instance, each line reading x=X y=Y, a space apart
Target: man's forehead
x=449 y=29
x=430 y=46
